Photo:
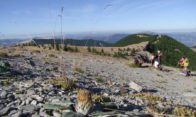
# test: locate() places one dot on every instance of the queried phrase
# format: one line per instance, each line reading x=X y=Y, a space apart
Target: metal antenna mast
x=61 y=18
x=62 y=37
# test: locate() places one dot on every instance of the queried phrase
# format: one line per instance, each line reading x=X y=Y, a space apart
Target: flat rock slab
x=135 y=86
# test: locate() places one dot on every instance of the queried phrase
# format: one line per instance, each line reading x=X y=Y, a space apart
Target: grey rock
x=11 y=104
x=17 y=114
x=34 y=102
x=38 y=98
x=30 y=108
x=11 y=97
x=190 y=94
x=12 y=112
x=1 y=106
x=3 y=94
x=28 y=100
x=6 y=111
x=22 y=103
x=56 y=114
x=69 y=113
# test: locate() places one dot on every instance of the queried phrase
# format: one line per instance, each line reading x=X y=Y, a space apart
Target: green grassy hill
x=135 y=39
x=172 y=50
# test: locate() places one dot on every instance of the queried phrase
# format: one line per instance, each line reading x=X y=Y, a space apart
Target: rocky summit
x=37 y=82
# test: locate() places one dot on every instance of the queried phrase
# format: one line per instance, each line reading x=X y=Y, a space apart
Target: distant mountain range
x=111 y=38
x=10 y=41
x=187 y=38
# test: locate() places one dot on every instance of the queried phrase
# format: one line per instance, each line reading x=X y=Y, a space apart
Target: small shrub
x=119 y=54
x=102 y=50
x=57 y=47
x=99 y=79
x=97 y=98
x=89 y=49
x=5 y=82
x=128 y=49
x=36 y=51
x=133 y=51
x=4 y=66
x=76 y=49
x=52 y=55
x=94 y=50
x=133 y=65
x=78 y=70
x=3 y=54
x=52 y=45
x=63 y=82
x=70 y=49
x=65 y=48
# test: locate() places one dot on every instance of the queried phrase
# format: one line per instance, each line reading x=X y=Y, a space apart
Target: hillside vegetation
x=85 y=42
x=172 y=50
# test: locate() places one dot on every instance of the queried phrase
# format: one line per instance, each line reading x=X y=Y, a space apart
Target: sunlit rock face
x=84 y=102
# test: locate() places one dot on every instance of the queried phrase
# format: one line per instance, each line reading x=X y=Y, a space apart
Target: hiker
x=184 y=63
x=157 y=60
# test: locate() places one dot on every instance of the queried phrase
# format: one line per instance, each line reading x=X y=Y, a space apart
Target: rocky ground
x=117 y=89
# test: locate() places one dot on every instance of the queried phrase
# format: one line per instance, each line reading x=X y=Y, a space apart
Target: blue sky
x=28 y=17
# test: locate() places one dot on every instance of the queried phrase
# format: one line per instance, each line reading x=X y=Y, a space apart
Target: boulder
x=38 y=98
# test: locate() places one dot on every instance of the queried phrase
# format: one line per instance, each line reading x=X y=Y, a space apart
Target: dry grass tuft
x=63 y=82
x=149 y=97
x=3 y=54
x=99 y=79
x=97 y=98
x=181 y=111
x=78 y=70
